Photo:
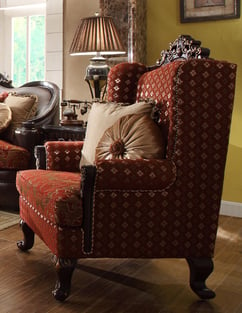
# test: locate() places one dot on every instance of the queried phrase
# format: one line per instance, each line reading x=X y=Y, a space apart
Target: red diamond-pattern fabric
x=120 y=174
x=149 y=208
x=13 y=157
x=63 y=155
x=122 y=82
x=182 y=220
x=160 y=86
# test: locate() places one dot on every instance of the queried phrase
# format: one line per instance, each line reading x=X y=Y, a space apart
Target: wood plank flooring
x=120 y=286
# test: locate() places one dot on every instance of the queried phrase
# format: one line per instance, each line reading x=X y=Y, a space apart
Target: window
x=22 y=30
x=28 y=49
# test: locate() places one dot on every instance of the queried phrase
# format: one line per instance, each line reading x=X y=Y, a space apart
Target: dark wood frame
x=207 y=13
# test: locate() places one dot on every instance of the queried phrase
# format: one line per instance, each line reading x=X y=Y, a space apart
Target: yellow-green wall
x=224 y=38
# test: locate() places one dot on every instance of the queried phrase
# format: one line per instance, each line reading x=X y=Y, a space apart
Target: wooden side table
x=60 y=132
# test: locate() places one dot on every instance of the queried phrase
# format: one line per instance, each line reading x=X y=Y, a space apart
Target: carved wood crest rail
x=184 y=47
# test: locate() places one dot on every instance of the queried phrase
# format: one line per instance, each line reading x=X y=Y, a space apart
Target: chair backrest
x=123 y=78
x=195 y=99
x=122 y=81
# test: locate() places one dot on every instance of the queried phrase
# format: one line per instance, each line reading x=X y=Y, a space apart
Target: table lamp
x=98 y=36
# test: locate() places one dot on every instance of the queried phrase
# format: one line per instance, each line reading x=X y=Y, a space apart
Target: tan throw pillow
x=23 y=108
x=132 y=137
x=101 y=117
x=5 y=116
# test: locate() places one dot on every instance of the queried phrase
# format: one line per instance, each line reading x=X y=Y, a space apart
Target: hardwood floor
x=120 y=286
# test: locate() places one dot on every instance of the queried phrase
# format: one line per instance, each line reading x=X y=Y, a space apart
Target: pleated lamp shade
x=94 y=35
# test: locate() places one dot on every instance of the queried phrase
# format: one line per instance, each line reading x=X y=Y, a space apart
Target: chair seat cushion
x=13 y=157
x=53 y=196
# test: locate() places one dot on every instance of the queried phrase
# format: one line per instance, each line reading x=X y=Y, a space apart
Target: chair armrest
x=121 y=177
x=141 y=174
x=88 y=175
x=63 y=155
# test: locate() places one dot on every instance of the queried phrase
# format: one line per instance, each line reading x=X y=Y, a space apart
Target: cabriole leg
x=200 y=269
x=64 y=269
x=28 y=241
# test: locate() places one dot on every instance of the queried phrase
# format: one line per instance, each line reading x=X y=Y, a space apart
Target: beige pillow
x=5 y=116
x=101 y=117
x=23 y=108
x=134 y=136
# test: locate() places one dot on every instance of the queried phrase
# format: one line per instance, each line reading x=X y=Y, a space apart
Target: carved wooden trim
x=5 y=82
x=184 y=47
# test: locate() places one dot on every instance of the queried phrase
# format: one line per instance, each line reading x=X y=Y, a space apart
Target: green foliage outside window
x=37 y=48
x=19 y=50
x=28 y=49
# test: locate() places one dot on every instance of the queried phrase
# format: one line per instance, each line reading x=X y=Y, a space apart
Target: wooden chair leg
x=200 y=269
x=64 y=269
x=28 y=241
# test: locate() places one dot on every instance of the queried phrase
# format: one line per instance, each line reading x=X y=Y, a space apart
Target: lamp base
x=96 y=76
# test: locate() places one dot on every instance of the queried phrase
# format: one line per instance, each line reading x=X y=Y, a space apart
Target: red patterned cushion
x=13 y=157
x=54 y=196
x=122 y=82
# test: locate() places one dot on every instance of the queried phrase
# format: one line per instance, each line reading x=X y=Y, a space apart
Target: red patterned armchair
x=165 y=206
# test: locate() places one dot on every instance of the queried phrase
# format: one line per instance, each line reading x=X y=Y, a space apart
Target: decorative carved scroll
x=5 y=82
x=184 y=47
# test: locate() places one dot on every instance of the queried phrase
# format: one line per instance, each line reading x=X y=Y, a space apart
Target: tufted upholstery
x=146 y=208
x=128 y=139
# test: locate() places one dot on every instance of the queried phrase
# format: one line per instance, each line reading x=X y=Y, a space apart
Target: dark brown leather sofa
x=28 y=135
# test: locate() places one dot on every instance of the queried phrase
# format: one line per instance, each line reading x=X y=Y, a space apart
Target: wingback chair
x=146 y=193
x=32 y=105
